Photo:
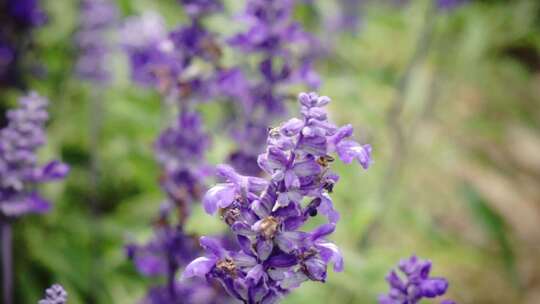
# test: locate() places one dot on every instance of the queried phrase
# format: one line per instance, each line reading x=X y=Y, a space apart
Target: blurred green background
x=450 y=101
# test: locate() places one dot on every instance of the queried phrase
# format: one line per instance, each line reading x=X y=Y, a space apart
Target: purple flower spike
x=267 y=216
x=168 y=61
x=415 y=283
x=160 y=59
x=98 y=17
x=20 y=172
x=54 y=295
x=18 y=18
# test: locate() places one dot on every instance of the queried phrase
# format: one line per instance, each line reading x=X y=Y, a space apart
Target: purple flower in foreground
x=54 y=295
x=267 y=215
x=20 y=172
x=415 y=283
x=167 y=61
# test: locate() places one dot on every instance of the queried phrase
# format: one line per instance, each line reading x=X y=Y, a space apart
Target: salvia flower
x=97 y=20
x=267 y=215
x=20 y=171
x=169 y=62
x=180 y=150
x=414 y=283
x=54 y=295
x=145 y=40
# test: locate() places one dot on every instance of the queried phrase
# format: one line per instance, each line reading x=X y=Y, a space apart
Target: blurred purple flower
x=54 y=295
x=180 y=150
x=160 y=59
x=415 y=284
x=18 y=18
x=26 y=12
x=98 y=17
x=20 y=172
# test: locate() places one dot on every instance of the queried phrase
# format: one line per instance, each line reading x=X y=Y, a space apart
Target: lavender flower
x=145 y=41
x=266 y=215
x=160 y=59
x=415 y=284
x=97 y=19
x=20 y=172
x=26 y=12
x=180 y=150
x=54 y=295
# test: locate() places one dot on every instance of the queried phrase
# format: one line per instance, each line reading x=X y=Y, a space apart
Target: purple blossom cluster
x=17 y=19
x=284 y=55
x=54 y=295
x=415 y=284
x=180 y=150
x=97 y=19
x=267 y=215
x=162 y=59
x=20 y=172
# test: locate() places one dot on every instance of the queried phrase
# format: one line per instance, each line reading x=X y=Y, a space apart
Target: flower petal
x=198 y=268
x=219 y=196
x=330 y=253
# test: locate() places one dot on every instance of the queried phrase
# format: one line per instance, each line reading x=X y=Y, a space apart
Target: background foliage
x=450 y=101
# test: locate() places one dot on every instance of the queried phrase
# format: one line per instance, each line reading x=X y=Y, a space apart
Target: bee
x=273 y=132
x=329 y=186
x=325 y=160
